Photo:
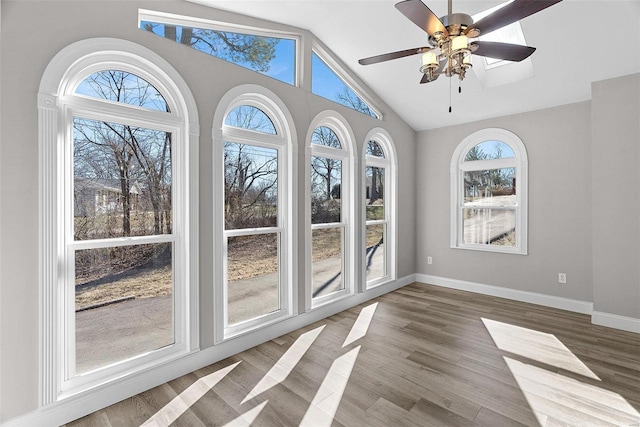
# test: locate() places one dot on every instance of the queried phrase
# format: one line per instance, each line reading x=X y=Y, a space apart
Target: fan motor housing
x=456 y=23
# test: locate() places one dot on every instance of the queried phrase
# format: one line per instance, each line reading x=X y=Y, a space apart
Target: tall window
x=254 y=151
x=120 y=217
x=331 y=210
x=489 y=193
x=379 y=199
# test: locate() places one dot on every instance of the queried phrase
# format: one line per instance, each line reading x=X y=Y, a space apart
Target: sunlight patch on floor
x=535 y=345
x=182 y=402
x=283 y=367
x=559 y=400
x=246 y=419
x=327 y=399
x=361 y=325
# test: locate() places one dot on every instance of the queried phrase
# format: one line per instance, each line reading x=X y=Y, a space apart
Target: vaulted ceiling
x=578 y=42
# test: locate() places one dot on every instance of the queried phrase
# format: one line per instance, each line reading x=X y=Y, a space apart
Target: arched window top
x=322 y=135
x=374 y=149
x=250 y=118
x=122 y=87
x=490 y=150
x=489 y=192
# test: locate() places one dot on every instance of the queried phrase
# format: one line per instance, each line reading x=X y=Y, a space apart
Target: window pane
x=489 y=150
x=322 y=135
x=326 y=181
x=251 y=118
x=120 y=86
x=327 y=247
x=124 y=303
x=374 y=149
x=494 y=187
x=327 y=84
x=274 y=57
x=374 y=181
x=375 y=253
x=253 y=286
x=489 y=226
x=251 y=186
x=122 y=182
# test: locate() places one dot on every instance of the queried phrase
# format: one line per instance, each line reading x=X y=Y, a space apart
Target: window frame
x=284 y=142
x=57 y=106
x=389 y=163
x=459 y=166
x=338 y=124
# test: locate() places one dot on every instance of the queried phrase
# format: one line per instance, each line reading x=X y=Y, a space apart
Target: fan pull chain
x=449 y=95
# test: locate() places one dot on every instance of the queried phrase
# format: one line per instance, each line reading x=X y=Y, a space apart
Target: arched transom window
x=489 y=193
x=119 y=276
x=379 y=196
x=331 y=211
x=253 y=148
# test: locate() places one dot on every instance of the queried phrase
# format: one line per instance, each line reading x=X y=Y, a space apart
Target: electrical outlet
x=429 y=260
x=562 y=277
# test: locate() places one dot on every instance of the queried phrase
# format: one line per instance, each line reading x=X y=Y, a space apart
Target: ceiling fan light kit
x=451 y=37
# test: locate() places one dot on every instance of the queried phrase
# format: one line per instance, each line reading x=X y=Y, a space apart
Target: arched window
x=119 y=273
x=380 y=196
x=489 y=193
x=253 y=149
x=331 y=206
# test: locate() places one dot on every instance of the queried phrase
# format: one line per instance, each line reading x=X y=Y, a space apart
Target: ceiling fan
x=450 y=47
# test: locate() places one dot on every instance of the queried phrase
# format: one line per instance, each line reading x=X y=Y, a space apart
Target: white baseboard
x=82 y=404
x=609 y=320
x=624 y=323
x=568 y=304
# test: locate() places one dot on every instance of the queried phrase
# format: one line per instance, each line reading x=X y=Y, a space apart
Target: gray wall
x=615 y=148
x=32 y=33
x=584 y=200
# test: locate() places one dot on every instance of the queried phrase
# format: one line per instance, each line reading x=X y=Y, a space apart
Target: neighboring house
x=101 y=195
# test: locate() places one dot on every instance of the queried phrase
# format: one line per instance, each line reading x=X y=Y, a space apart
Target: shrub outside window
x=489 y=193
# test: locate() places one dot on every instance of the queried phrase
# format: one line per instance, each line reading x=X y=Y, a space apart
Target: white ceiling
x=577 y=41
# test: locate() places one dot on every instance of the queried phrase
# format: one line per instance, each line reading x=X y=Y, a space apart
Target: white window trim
x=191 y=21
x=337 y=123
x=285 y=142
x=340 y=71
x=55 y=110
x=389 y=163
x=459 y=166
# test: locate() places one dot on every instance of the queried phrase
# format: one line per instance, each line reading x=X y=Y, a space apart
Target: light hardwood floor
x=419 y=356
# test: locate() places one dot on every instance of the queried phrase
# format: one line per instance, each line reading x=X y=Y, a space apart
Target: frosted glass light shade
x=459 y=43
x=429 y=58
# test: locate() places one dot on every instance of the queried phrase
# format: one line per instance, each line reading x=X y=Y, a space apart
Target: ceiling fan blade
x=393 y=55
x=512 y=12
x=506 y=51
x=418 y=13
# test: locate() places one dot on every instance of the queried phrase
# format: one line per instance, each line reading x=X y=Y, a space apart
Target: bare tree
x=128 y=153
x=348 y=98
x=257 y=51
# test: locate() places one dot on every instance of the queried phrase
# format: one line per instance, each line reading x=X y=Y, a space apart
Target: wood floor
x=419 y=356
